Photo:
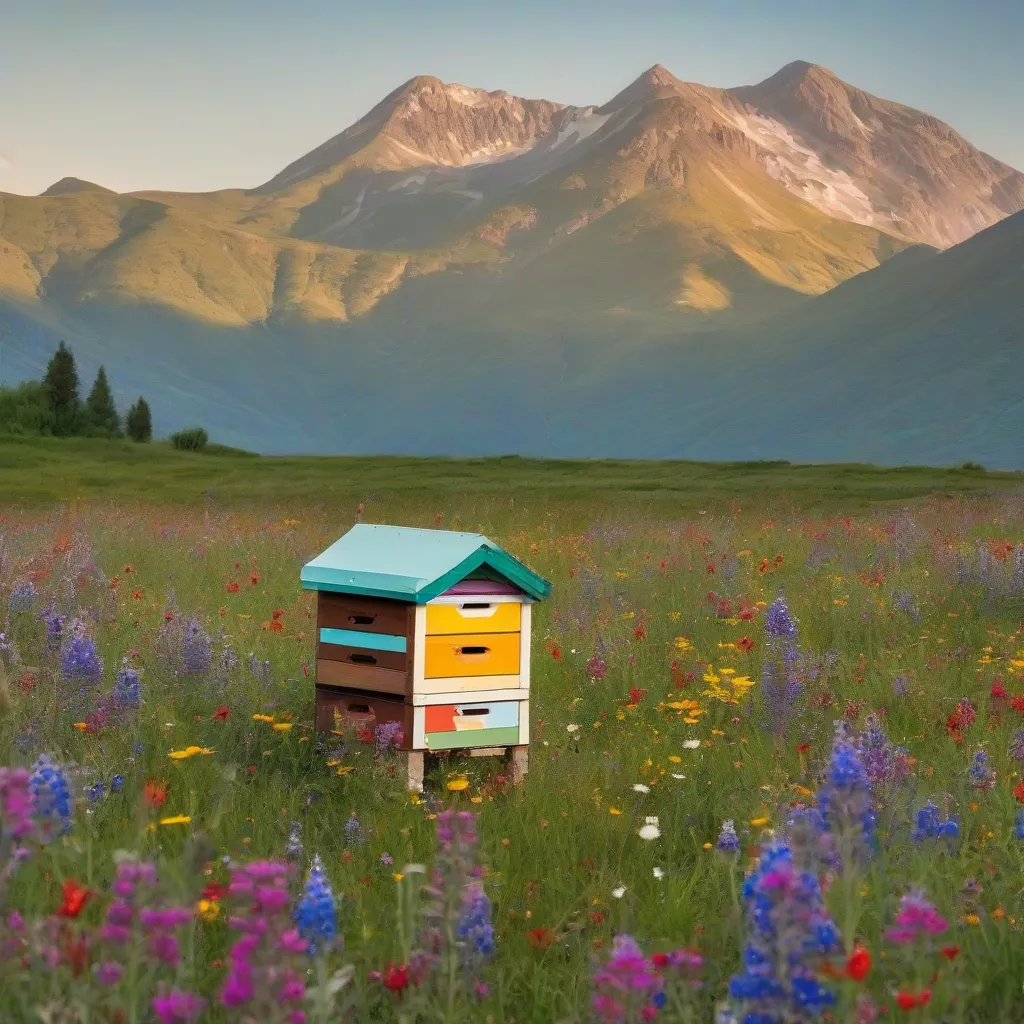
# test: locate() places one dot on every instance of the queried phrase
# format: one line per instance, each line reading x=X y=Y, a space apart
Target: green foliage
x=139 y=423
x=61 y=386
x=24 y=410
x=192 y=439
x=100 y=412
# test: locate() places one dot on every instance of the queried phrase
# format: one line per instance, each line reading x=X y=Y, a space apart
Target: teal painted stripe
x=357 y=638
x=506 y=737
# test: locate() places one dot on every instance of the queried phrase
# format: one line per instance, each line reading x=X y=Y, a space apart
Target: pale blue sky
x=205 y=94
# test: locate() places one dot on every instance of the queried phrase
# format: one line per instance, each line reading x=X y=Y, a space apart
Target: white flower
x=641 y=788
x=676 y=776
x=691 y=744
x=658 y=873
x=572 y=728
x=650 y=829
x=619 y=892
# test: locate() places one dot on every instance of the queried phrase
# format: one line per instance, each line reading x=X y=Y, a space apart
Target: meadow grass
x=901 y=614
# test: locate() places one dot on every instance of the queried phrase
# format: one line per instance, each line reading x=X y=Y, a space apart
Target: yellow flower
x=675 y=758
x=972 y=919
x=333 y=764
x=262 y=718
x=458 y=785
x=180 y=755
x=344 y=769
x=717 y=732
x=614 y=810
x=282 y=726
x=209 y=910
x=691 y=721
x=674 y=616
x=707 y=846
x=476 y=799
x=414 y=799
x=758 y=822
x=802 y=790
x=622 y=575
x=683 y=644
x=80 y=725
x=178 y=819
x=398 y=876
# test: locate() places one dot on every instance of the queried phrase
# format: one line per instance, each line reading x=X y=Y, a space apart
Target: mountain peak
x=797 y=72
x=652 y=81
x=68 y=185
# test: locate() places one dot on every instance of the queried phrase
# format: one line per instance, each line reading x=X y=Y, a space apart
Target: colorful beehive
x=429 y=628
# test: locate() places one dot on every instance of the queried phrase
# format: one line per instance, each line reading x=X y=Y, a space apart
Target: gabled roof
x=412 y=565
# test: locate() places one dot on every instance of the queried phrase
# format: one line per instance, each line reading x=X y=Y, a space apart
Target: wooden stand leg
x=416 y=771
x=519 y=763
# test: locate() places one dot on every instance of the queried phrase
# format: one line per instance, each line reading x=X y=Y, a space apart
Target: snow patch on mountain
x=798 y=167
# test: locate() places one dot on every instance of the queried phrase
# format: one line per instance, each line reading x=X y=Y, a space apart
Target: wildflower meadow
x=776 y=775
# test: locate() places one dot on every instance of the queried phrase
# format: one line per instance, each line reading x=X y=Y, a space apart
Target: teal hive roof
x=412 y=565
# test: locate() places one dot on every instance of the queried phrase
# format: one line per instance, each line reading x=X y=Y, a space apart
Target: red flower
x=745 y=643
x=76 y=953
x=168 y=616
x=998 y=691
x=540 y=938
x=231 y=586
x=364 y=735
x=636 y=695
x=222 y=714
x=214 y=891
x=763 y=567
x=75 y=898
x=395 y=978
x=908 y=1000
x=556 y=653
x=1017 y=703
x=858 y=963
x=1018 y=792
x=950 y=952
x=254 y=579
x=129 y=569
x=802 y=748
x=278 y=612
x=640 y=632
x=137 y=594
x=155 y=792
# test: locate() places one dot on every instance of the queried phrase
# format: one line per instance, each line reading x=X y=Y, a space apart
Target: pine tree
x=139 y=423
x=100 y=411
x=61 y=387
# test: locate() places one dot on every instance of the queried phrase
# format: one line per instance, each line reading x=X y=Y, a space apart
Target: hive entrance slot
x=363 y=659
x=475 y=711
x=359 y=709
x=474 y=650
x=471 y=605
x=362 y=620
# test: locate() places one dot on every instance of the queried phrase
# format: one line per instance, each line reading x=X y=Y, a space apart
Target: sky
x=194 y=95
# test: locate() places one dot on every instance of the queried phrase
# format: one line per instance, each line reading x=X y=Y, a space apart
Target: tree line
x=53 y=406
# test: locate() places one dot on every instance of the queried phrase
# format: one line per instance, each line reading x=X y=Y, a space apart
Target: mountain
x=499 y=267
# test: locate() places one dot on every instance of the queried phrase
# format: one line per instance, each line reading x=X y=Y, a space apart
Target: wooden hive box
x=429 y=628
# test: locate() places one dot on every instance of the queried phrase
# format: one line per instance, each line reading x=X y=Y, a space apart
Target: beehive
x=428 y=628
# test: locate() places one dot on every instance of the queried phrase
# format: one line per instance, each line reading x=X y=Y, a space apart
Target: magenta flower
x=916 y=917
x=178 y=1007
x=16 y=801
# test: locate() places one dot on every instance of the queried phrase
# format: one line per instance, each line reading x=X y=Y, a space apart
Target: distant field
x=41 y=471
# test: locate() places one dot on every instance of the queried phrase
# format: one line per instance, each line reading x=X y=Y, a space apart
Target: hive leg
x=519 y=763
x=416 y=771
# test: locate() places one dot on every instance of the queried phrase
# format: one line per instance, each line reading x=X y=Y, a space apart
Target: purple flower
x=386 y=736
x=1016 y=749
x=626 y=986
x=22 y=597
x=108 y=973
x=16 y=801
x=728 y=841
x=596 y=668
x=54 y=628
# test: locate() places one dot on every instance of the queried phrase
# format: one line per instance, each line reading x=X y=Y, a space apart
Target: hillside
x=472 y=273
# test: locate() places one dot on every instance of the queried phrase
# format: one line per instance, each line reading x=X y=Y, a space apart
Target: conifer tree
x=100 y=411
x=61 y=387
x=139 y=423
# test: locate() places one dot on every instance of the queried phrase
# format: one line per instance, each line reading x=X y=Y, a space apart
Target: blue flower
x=22 y=597
x=930 y=826
x=845 y=799
x=54 y=628
x=127 y=691
x=353 y=830
x=51 y=797
x=117 y=784
x=95 y=791
x=980 y=771
x=79 y=658
x=316 y=914
x=475 y=927
x=1018 y=825
x=196 y=649
x=778 y=623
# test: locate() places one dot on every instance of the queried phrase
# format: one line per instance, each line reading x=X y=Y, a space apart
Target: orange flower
x=231 y=587
x=278 y=612
x=137 y=594
x=155 y=792
x=129 y=569
x=75 y=898
x=222 y=713
x=540 y=938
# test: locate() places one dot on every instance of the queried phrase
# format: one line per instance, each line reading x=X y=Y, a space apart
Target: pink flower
x=917 y=916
